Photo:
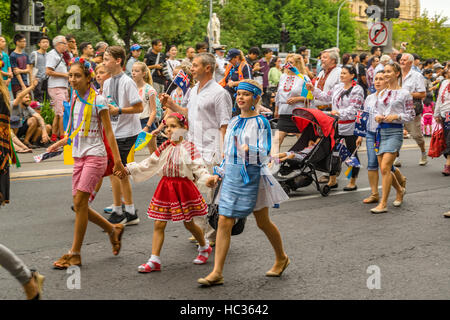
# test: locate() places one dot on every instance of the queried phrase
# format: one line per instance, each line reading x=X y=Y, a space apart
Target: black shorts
x=125 y=145
x=447 y=141
x=22 y=130
x=286 y=124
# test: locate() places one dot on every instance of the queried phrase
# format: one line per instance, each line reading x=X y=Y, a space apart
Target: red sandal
x=202 y=258
x=146 y=268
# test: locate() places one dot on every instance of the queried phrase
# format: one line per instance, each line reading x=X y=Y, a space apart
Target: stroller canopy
x=302 y=117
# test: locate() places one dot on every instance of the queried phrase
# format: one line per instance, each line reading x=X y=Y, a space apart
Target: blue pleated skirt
x=238 y=200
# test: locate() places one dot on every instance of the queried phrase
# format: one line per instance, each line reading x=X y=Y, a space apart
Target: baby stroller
x=295 y=173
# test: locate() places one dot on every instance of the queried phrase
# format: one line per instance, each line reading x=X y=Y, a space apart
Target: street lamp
x=338 y=20
x=210 y=35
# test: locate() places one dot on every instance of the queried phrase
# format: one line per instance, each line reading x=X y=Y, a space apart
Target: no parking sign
x=380 y=33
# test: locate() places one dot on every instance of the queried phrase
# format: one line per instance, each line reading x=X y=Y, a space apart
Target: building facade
x=409 y=10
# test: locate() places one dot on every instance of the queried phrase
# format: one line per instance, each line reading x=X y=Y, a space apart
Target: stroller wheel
x=285 y=187
x=325 y=190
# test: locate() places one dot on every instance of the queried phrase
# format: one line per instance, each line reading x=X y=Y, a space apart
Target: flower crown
x=180 y=117
x=86 y=64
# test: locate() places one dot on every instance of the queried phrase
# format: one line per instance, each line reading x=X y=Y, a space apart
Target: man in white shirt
x=58 y=84
x=208 y=109
x=413 y=82
x=125 y=105
x=384 y=60
x=328 y=77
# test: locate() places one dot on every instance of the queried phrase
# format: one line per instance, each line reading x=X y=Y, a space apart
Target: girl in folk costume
x=289 y=97
x=370 y=106
x=248 y=186
x=347 y=98
x=30 y=280
x=176 y=198
x=89 y=126
x=442 y=116
x=394 y=107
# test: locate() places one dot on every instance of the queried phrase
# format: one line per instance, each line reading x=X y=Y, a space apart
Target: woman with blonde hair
x=143 y=79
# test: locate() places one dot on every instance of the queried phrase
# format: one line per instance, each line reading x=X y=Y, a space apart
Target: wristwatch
x=120 y=110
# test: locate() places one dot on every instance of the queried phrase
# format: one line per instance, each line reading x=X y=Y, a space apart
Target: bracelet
x=120 y=110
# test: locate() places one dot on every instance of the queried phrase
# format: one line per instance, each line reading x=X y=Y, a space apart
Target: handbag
x=213 y=215
x=437 y=143
x=418 y=106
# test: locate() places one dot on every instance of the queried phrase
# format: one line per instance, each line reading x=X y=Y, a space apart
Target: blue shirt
x=20 y=61
x=6 y=66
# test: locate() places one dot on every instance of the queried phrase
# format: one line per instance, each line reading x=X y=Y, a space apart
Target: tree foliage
x=244 y=23
x=426 y=36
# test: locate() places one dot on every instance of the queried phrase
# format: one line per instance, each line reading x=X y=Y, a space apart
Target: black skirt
x=286 y=124
x=4 y=186
x=447 y=140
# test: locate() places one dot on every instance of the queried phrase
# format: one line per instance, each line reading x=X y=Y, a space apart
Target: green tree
x=426 y=36
x=313 y=23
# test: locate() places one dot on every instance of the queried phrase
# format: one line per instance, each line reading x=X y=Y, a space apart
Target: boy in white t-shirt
x=125 y=105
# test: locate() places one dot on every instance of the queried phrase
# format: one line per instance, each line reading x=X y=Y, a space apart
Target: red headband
x=180 y=117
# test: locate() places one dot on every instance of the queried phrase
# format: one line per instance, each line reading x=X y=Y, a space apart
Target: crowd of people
x=211 y=131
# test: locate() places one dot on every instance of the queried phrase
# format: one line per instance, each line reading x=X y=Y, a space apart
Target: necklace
x=290 y=80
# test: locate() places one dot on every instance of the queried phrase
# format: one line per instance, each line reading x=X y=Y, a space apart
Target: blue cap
x=233 y=53
x=135 y=47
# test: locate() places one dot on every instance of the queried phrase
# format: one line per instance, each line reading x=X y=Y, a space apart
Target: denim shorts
x=371 y=154
x=391 y=140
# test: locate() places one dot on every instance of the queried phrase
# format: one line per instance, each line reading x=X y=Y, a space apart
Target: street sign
x=380 y=33
x=30 y=28
x=273 y=46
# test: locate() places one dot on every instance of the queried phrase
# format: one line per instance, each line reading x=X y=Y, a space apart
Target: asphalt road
x=332 y=242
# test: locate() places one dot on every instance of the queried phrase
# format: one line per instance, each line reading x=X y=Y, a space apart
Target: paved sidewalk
x=55 y=166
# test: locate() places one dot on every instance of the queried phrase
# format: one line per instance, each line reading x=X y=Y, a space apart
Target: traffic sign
x=380 y=33
x=21 y=27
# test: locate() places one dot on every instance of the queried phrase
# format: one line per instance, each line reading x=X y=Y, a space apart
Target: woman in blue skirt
x=248 y=186
x=394 y=108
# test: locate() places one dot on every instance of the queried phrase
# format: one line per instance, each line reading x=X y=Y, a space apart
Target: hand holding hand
x=212 y=181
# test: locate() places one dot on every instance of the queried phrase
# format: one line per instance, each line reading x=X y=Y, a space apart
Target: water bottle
x=113 y=103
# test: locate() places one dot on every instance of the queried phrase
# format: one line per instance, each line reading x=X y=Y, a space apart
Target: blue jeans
x=371 y=154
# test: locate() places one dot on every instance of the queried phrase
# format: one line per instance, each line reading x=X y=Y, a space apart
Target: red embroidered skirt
x=176 y=199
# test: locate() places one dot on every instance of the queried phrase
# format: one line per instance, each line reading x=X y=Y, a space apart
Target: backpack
x=159 y=109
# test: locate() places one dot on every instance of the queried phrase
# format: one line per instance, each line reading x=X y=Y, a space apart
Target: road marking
x=41 y=177
x=332 y=193
x=40 y=173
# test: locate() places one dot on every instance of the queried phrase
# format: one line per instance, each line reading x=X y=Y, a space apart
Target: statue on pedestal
x=214 y=31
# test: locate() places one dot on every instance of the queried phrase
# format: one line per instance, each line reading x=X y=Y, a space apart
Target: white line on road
x=314 y=196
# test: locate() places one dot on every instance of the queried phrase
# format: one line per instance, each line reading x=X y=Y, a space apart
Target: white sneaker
x=397 y=163
x=424 y=160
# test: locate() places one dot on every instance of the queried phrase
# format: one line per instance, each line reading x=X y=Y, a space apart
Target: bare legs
x=224 y=236
x=389 y=178
x=159 y=228
x=83 y=215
